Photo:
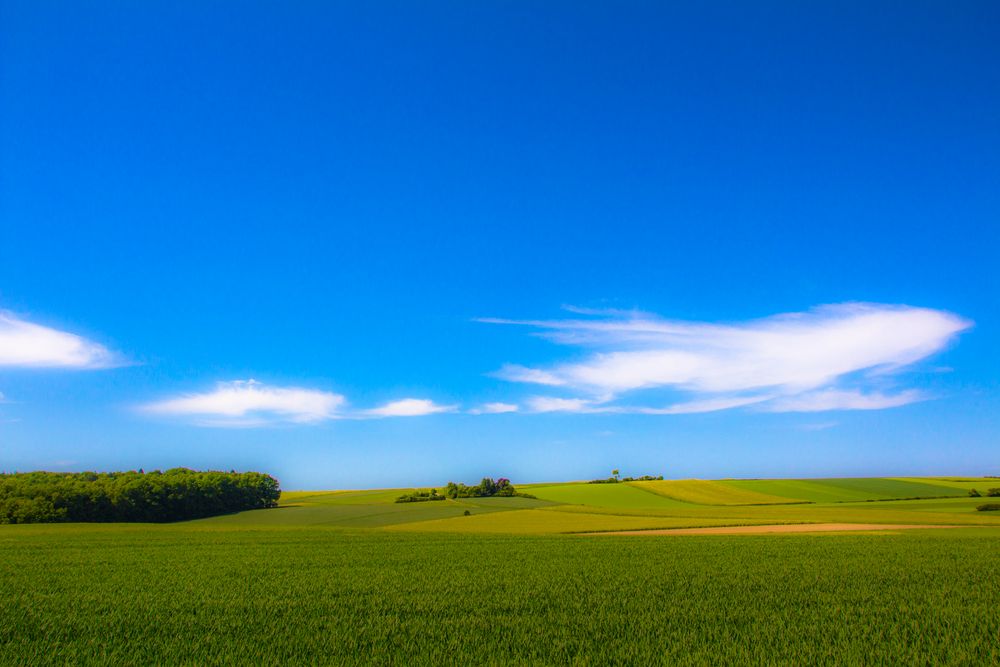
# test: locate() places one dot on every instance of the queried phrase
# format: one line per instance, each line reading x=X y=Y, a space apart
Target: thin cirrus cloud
x=836 y=399
x=27 y=345
x=556 y=404
x=835 y=357
x=494 y=409
x=410 y=407
x=245 y=403
x=600 y=405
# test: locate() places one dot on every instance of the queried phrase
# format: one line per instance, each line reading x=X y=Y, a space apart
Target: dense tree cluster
x=175 y=495
x=488 y=487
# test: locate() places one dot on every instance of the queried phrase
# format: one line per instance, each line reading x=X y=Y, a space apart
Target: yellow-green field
x=577 y=507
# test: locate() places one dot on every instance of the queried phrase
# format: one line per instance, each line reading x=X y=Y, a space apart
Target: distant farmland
x=351 y=576
x=580 y=507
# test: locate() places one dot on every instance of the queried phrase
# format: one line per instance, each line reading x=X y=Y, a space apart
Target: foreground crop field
x=184 y=594
x=351 y=577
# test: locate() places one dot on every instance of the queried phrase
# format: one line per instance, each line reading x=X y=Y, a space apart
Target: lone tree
x=614 y=473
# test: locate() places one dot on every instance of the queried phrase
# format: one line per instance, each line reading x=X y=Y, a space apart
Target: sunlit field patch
x=845 y=490
x=625 y=496
x=707 y=492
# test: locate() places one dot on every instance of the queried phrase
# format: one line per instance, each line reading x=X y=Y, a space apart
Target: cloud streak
x=556 y=404
x=24 y=344
x=494 y=409
x=251 y=403
x=836 y=399
x=829 y=358
x=410 y=407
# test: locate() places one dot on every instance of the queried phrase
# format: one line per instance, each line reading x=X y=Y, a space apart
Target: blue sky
x=380 y=244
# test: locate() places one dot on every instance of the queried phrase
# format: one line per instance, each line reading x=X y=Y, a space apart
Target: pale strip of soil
x=776 y=528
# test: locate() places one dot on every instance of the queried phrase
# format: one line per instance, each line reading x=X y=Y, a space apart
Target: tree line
x=616 y=478
x=177 y=494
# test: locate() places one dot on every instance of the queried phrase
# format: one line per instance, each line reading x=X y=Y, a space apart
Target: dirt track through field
x=776 y=528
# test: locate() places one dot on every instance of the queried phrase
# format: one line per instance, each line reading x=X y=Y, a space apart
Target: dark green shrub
x=420 y=496
x=993 y=493
x=973 y=493
x=989 y=507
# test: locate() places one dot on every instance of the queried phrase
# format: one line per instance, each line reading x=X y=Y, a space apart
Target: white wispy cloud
x=705 y=405
x=818 y=426
x=251 y=403
x=601 y=405
x=554 y=404
x=791 y=362
x=494 y=408
x=836 y=399
x=28 y=345
x=516 y=373
x=410 y=407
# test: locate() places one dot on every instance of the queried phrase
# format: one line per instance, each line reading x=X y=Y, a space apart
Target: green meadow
x=352 y=577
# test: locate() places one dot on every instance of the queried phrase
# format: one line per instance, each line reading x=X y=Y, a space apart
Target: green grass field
x=351 y=577
x=848 y=490
x=705 y=492
x=625 y=496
